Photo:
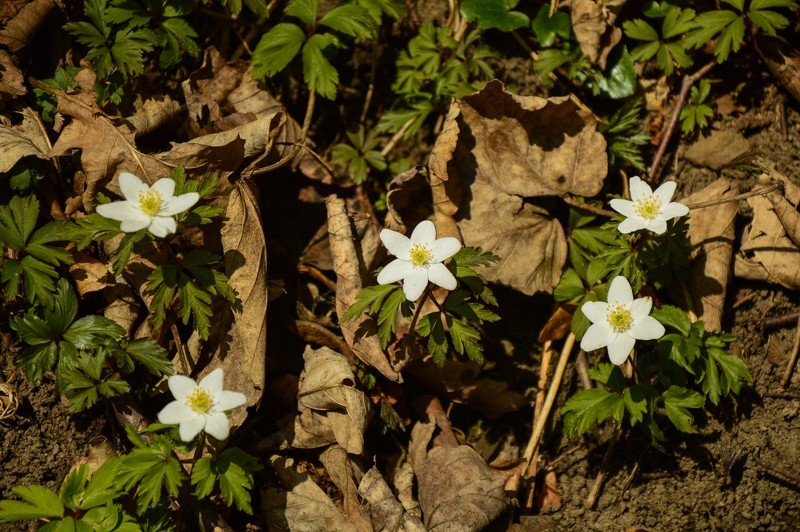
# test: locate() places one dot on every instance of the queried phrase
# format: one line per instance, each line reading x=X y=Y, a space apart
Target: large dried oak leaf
x=497 y=151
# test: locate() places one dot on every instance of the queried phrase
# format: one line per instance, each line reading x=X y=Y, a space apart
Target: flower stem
x=418 y=310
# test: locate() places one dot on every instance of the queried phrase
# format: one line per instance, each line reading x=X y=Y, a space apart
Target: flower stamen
x=200 y=401
x=150 y=202
x=619 y=318
x=648 y=206
x=420 y=255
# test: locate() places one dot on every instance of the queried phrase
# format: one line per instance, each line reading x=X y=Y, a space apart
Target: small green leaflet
x=276 y=49
x=382 y=301
x=494 y=14
x=152 y=467
x=321 y=76
x=546 y=28
x=233 y=469
x=352 y=20
x=676 y=402
x=39 y=503
x=588 y=407
x=696 y=113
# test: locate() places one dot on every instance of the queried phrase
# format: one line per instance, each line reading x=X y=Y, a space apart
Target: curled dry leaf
x=388 y=514
x=593 y=24
x=408 y=200
x=457 y=490
x=302 y=506
x=496 y=151
x=153 y=114
x=345 y=473
x=238 y=342
x=27 y=138
x=327 y=388
x=360 y=333
x=711 y=233
x=89 y=274
x=783 y=60
x=21 y=30
x=12 y=82
x=123 y=304
x=773 y=236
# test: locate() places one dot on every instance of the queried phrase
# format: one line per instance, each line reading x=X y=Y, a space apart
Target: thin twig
x=787 y=375
x=786 y=319
x=544 y=369
x=688 y=81
x=572 y=202
x=538 y=428
x=396 y=137
x=757 y=192
x=603 y=473
x=791 y=476
x=316 y=273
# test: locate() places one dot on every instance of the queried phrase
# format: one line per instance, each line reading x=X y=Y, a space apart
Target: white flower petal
x=597 y=335
x=596 y=311
x=659 y=227
x=181 y=387
x=217 y=425
x=162 y=226
x=213 y=381
x=620 y=348
x=641 y=307
x=165 y=186
x=131 y=186
x=647 y=328
x=135 y=223
x=444 y=248
x=414 y=284
x=191 y=426
x=226 y=400
x=624 y=207
x=440 y=275
x=394 y=271
x=118 y=210
x=629 y=225
x=424 y=233
x=620 y=291
x=178 y=204
x=638 y=188
x=673 y=210
x=174 y=413
x=665 y=191
x=397 y=244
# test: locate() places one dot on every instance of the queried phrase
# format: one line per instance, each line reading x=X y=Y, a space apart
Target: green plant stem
x=418 y=310
x=688 y=81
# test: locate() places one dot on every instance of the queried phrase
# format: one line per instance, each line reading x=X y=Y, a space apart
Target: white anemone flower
x=621 y=321
x=148 y=207
x=200 y=406
x=419 y=259
x=648 y=210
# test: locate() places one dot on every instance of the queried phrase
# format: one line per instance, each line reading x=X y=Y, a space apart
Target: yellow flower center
x=619 y=317
x=420 y=255
x=150 y=202
x=648 y=207
x=200 y=401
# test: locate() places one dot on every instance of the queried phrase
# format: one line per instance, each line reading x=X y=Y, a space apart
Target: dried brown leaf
x=89 y=274
x=717 y=149
x=457 y=490
x=408 y=200
x=768 y=240
x=153 y=114
x=21 y=30
x=711 y=233
x=304 y=507
x=344 y=472
x=360 y=333
x=783 y=60
x=12 y=82
x=27 y=138
x=592 y=23
x=123 y=304
x=388 y=514
x=495 y=151
x=327 y=386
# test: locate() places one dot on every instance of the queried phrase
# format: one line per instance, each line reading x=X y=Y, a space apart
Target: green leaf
x=387 y=317
x=549 y=60
x=102 y=488
x=640 y=30
x=305 y=10
x=40 y=503
x=619 y=79
x=637 y=400
x=494 y=14
x=431 y=326
x=466 y=340
x=546 y=28
x=352 y=20
x=708 y=25
x=318 y=72
x=676 y=402
x=367 y=298
x=588 y=407
x=276 y=49
x=153 y=467
x=85 y=332
x=677 y=22
x=72 y=486
x=151 y=355
x=673 y=317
